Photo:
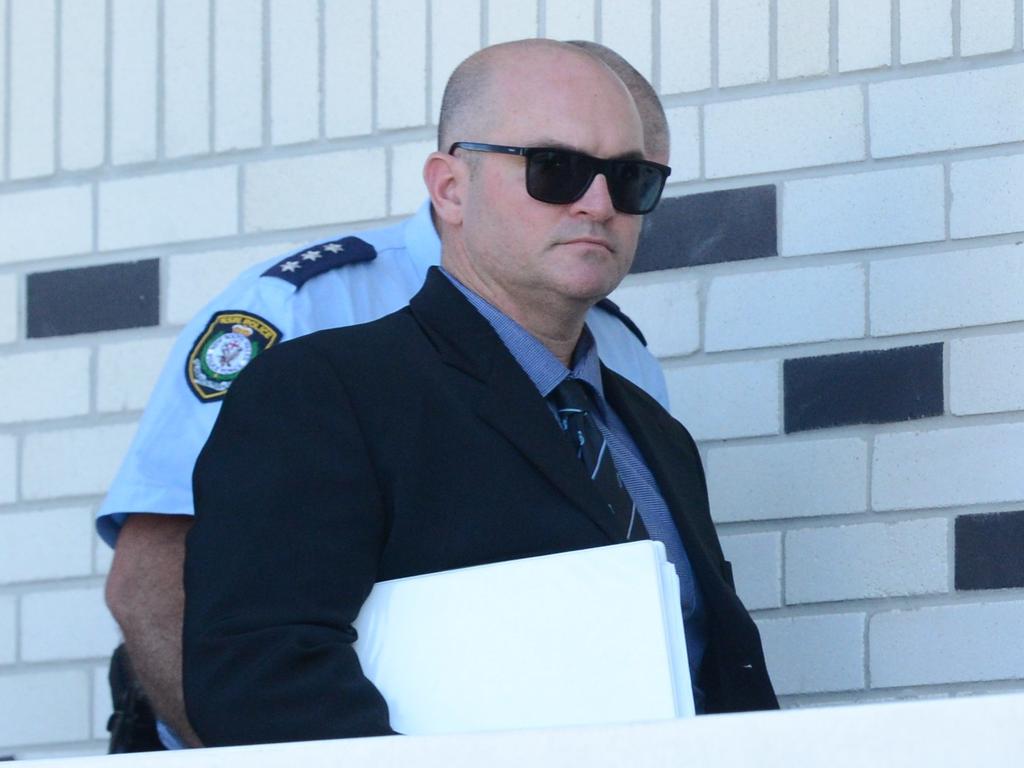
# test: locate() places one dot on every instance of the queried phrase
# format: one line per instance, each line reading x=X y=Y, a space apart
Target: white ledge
x=938 y=733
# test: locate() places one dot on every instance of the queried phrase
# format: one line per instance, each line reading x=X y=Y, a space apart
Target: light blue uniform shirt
x=546 y=372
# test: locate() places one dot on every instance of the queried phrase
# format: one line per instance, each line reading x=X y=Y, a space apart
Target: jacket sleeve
x=288 y=534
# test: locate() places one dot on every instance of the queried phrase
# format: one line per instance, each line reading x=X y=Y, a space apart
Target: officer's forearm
x=145 y=595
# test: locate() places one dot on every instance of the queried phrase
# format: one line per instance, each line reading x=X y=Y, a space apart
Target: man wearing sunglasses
x=149 y=507
x=438 y=438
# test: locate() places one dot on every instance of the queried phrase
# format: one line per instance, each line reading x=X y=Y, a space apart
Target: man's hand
x=146 y=596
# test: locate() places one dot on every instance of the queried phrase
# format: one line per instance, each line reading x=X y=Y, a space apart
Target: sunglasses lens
x=555 y=176
x=559 y=176
x=634 y=187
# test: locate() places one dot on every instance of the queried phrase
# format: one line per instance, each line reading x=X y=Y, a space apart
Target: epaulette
x=612 y=308
x=299 y=267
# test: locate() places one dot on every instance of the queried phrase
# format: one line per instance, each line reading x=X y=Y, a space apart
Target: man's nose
x=597 y=200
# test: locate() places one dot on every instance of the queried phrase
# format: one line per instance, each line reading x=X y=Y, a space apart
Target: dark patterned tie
x=574 y=404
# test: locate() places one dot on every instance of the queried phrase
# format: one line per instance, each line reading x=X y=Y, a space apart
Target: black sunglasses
x=562 y=176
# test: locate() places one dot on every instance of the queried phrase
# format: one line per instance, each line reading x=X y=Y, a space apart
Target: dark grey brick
x=728 y=225
x=990 y=551
x=863 y=387
x=92 y=299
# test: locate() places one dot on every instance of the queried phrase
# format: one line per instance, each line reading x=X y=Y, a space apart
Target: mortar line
x=833 y=38
x=5 y=136
x=161 y=90
x=58 y=78
x=211 y=77
x=265 y=68
x=955 y=11
x=321 y=70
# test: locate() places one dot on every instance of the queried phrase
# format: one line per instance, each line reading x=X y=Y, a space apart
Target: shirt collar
x=544 y=369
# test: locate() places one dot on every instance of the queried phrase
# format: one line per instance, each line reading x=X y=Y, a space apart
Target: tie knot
x=572 y=395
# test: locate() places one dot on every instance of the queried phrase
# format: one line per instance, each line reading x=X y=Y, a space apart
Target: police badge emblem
x=229 y=343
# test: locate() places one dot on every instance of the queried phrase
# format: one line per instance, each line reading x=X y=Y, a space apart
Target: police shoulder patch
x=301 y=266
x=612 y=308
x=228 y=343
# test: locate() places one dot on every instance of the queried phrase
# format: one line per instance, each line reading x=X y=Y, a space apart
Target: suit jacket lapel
x=675 y=465
x=503 y=395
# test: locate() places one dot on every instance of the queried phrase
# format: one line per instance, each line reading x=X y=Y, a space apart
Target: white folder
x=577 y=638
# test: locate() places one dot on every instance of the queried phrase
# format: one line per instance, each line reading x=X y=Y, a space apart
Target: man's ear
x=445 y=176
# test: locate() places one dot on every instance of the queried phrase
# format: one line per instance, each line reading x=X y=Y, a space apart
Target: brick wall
x=835 y=288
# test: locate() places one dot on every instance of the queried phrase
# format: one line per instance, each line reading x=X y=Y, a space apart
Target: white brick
x=8 y=627
x=83 y=84
x=779 y=132
x=987 y=196
x=865 y=34
x=44 y=707
x=852 y=562
x=8 y=308
x=195 y=278
x=168 y=208
x=815 y=654
x=926 y=30
x=626 y=29
x=947 y=644
x=986 y=26
x=721 y=401
x=756 y=567
x=307 y=191
x=26 y=219
x=238 y=75
x=8 y=469
x=863 y=210
x=102 y=706
x=947 y=290
x=684 y=131
x=73 y=462
x=126 y=372
x=948 y=467
x=788 y=479
x=103 y=556
x=803 y=38
x=49 y=384
x=767 y=309
x=454 y=35
x=67 y=624
x=986 y=374
x=133 y=81
x=963 y=109
x=511 y=21
x=407 y=188
x=743 y=47
x=668 y=313
x=294 y=71
x=186 y=77
x=348 y=61
x=685 y=46
x=569 y=20
x=33 y=83
x=401 y=63
x=3 y=83
x=47 y=544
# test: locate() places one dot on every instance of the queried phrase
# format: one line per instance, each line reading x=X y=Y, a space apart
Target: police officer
x=337 y=282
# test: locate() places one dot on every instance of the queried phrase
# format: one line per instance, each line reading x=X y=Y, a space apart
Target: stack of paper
x=586 y=637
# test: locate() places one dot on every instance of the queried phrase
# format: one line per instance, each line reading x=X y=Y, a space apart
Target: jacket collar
x=503 y=396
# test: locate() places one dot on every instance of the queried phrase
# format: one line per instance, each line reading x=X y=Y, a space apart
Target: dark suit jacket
x=410 y=445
